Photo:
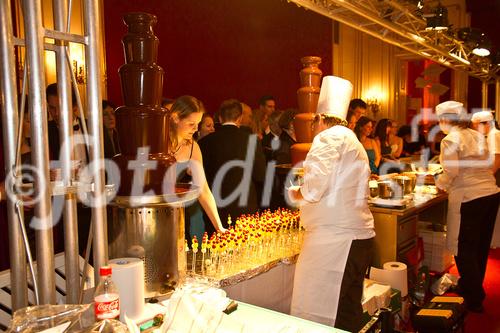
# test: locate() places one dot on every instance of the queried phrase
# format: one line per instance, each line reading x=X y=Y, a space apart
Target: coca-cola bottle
x=106 y=298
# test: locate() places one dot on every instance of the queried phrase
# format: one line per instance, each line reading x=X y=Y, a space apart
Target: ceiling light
x=475 y=40
x=437 y=19
x=481 y=51
x=482 y=47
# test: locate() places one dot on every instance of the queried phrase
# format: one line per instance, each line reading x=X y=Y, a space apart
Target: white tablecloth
x=270 y=290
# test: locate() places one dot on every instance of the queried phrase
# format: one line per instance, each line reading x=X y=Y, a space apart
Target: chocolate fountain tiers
x=148 y=217
x=142 y=122
x=307 y=96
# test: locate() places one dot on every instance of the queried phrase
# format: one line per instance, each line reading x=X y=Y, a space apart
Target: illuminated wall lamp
x=373 y=105
x=79 y=71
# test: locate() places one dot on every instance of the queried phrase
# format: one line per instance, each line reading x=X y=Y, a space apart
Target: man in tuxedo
x=271 y=140
x=234 y=164
x=267 y=105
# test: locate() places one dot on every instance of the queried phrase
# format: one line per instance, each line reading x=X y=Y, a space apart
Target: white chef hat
x=450 y=107
x=482 y=116
x=334 y=97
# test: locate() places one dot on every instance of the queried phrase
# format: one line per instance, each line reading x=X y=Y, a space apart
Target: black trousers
x=350 y=311
x=476 y=230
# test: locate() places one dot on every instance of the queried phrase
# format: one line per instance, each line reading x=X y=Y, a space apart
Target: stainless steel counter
x=396 y=229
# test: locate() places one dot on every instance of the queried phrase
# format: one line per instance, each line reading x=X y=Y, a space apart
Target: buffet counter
x=419 y=204
x=270 y=285
x=396 y=228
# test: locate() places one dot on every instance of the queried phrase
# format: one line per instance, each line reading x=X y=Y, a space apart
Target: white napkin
x=190 y=313
x=186 y=313
x=214 y=297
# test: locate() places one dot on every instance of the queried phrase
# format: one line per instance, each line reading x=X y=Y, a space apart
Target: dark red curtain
x=220 y=49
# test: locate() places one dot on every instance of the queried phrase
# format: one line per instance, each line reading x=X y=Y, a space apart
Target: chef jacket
x=335 y=212
x=466 y=162
x=336 y=173
x=467 y=175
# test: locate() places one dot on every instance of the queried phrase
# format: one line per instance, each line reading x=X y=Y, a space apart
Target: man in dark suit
x=271 y=140
x=234 y=164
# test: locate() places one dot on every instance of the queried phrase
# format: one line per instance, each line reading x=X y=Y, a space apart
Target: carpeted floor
x=489 y=321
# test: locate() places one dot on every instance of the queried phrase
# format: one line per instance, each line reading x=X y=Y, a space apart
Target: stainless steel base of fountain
x=152 y=228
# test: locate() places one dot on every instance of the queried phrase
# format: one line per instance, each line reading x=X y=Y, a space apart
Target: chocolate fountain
x=307 y=96
x=148 y=216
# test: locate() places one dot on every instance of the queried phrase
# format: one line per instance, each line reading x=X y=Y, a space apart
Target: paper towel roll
x=128 y=275
x=393 y=274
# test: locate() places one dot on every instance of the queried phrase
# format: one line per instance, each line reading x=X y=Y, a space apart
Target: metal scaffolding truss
x=12 y=114
x=399 y=23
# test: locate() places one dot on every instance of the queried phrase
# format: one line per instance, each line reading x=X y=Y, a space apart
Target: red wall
x=220 y=49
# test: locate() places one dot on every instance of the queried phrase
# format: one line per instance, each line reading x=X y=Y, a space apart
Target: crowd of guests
x=225 y=136
x=247 y=145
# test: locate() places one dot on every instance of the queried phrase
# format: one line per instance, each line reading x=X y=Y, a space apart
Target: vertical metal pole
x=484 y=94
x=497 y=99
x=70 y=215
x=94 y=107
x=9 y=107
x=40 y=152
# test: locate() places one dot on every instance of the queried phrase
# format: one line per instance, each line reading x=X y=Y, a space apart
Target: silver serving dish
x=390 y=189
x=406 y=183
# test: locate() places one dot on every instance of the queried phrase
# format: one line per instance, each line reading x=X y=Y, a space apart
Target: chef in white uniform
x=339 y=230
x=483 y=122
x=472 y=199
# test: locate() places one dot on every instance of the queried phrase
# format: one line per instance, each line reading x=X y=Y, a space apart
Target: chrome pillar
x=70 y=219
x=40 y=153
x=94 y=108
x=497 y=98
x=484 y=94
x=9 y=107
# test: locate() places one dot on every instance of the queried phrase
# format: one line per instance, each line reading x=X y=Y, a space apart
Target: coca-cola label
x=107 y=310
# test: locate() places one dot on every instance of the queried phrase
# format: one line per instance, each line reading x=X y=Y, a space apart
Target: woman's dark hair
x=106 y=103
x=381 y=130
x=404 y=130
x=205 y=116
x=360 y=124
x=286 y=118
